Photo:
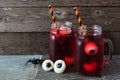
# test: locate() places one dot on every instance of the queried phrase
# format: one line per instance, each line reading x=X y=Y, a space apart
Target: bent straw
x=79 y=19
x=53 y=17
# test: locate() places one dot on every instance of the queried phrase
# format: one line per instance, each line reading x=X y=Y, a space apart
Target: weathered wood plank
x=37 y=43
x=15 y=66
x=109 y=72
x=39 y=3
x=38 y=19
x=115 y=38
x=104 y=2
x=23 y=43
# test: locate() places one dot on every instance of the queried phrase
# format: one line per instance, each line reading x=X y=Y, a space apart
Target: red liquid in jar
x=62 y=45
x=89 y=55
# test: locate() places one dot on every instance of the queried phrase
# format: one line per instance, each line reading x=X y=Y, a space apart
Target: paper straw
x=53 y=16
x=79 y=20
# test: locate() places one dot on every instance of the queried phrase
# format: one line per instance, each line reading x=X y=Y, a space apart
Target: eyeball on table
x=59 y=66
x=47 y=65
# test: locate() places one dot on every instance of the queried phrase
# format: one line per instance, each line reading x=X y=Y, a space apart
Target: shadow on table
x=113 y=68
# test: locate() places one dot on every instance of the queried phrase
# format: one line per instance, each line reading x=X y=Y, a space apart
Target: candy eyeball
x=59 y=66
x=47 y=65
x=91 y=48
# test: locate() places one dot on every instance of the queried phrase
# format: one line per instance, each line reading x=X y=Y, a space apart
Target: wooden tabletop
x=15 y=66
x=110 y=72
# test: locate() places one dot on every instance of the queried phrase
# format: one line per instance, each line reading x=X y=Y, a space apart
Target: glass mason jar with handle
x=89 y=57
x=62 y=42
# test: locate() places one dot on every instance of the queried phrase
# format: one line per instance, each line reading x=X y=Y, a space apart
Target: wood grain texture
x=23 y=43
x=44 y=3
x=109 y=72
x=24 y=20
x=37 y=43
x=39 y=19
x=15 y=66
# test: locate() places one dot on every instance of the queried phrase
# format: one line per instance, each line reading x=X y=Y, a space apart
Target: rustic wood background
x=25 y=24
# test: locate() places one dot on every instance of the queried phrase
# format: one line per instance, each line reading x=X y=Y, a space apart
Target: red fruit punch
x=62 y=45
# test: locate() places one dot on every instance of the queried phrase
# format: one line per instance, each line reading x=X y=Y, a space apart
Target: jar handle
x=110 y=44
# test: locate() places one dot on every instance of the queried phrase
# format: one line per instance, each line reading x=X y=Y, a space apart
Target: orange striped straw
x=79 y=19
x=53 y=16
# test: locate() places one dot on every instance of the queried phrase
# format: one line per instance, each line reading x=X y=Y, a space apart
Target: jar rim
x=60 y=23
x=93 y=26
x=91 y=30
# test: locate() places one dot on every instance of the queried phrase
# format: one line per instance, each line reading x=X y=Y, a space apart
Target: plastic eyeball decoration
x=91 y=48
x=59 y=66
x=47 y=65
